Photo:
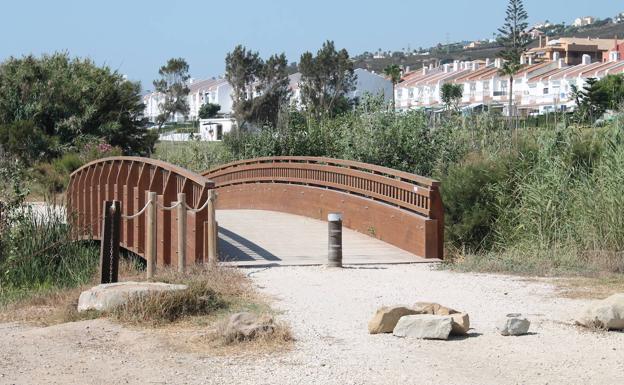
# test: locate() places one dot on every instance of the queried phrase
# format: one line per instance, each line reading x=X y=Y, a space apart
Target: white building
x=583 y=21
x=538 y=87
x=215 y=91
x=210 y=130
x=371 y=83
x=619 y=18
x=366 y=83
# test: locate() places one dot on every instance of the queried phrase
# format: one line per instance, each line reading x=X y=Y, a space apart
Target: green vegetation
x=208 y=110
x=260 y=88
x=173 y=85
x=37 y=252
x=546 y=201
x=514 y=41
x=196 y=156
x=49 y=104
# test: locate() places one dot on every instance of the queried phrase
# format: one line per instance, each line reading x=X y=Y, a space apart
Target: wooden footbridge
x=398 y=208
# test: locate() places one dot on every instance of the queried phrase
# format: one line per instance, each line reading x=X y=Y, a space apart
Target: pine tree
x=514 y=39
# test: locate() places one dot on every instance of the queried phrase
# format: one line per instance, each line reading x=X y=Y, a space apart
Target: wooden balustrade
x=127 y=179
x=398 y=207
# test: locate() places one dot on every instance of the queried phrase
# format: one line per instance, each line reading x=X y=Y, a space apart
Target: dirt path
x=328 y=311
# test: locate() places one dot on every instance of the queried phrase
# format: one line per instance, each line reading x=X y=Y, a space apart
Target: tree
x=242 y=68
x=592 y=101
x=260 y=89
x=514 y=40
x=394 y=73
x=173 y=85
x=451 y=94
x=613 y=88
x=273 y=89
x=325 y=78
x=70 y=99
x=208 y=110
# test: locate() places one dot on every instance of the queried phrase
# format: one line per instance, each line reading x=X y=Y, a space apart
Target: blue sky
x=137 y=36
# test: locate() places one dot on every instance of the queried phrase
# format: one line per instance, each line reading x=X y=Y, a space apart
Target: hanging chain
x=110 y=249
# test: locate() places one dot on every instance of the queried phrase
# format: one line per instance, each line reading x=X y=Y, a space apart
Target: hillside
x=445 y=54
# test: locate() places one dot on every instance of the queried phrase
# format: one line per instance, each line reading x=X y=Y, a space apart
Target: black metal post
x=109 y=247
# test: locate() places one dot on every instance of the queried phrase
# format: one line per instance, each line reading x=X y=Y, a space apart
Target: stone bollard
x=334 y=257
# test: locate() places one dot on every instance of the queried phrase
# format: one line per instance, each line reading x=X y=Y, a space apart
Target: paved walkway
x=261 y=238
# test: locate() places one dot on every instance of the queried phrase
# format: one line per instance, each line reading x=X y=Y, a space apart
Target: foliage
x=597 y=96
x=326 y=78
x=25 y=141
x=260 y=89
x=67 y=98
x=37 y=250
x=173 y=85
x=208 y=110
x=515 y=41
x=194 y=155
x=451 y=94
x=393 y=72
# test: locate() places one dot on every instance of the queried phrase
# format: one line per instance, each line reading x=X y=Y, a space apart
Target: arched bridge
x=399 y=208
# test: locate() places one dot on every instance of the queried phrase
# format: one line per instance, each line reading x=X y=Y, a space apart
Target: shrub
x=22 y=139
x=469 y=193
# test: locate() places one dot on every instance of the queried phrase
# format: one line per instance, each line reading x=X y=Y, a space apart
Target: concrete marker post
x=334 y=241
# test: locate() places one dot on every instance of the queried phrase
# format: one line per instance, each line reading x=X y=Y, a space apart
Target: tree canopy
x=260 y=89
x=451 y=94
x=173 y=84
x=326 y=78
x=65 y=100
x=515 y=40
x=208 y=110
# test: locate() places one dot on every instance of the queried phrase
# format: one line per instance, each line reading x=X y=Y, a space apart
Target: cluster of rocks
x=428 y=320
x=423 y=320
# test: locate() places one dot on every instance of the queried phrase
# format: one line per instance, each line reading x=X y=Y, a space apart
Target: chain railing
x=153 y=197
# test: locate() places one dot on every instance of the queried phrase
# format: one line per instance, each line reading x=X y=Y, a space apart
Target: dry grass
x=589 y=287
x=190 y=320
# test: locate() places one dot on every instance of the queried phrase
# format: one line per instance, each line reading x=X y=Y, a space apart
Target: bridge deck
x=259 y=238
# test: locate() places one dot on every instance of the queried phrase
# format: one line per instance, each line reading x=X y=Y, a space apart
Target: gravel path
x=329 y=311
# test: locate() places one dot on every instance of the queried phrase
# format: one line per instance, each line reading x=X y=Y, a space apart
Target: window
x=546 y=91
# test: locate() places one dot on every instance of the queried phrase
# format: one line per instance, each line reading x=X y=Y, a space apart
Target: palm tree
x=393 y=71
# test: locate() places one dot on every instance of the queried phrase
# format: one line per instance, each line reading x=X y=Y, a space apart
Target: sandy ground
x=329 y=311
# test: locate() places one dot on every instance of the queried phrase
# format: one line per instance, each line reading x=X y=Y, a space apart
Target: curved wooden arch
x=397 y=207
x=127 y=179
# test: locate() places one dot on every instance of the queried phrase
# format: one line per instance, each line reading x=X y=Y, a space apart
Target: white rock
x=107 y=296
x=513 y=325
x=605 y=314
x=424 y=326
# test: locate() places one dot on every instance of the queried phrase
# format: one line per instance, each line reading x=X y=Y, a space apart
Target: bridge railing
x=401 y=190
x=128 y=179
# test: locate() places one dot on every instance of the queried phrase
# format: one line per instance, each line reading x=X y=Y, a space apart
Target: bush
x=470 y=193
x=22 y=139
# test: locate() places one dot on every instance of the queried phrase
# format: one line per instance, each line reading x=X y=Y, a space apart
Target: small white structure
x=213 y=129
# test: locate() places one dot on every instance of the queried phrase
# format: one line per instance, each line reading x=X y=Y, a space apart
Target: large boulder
x=247 y=326
x=107 y=296
x=513 y=325
x=605 y=314
x=386 y=318
x=424 y=326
